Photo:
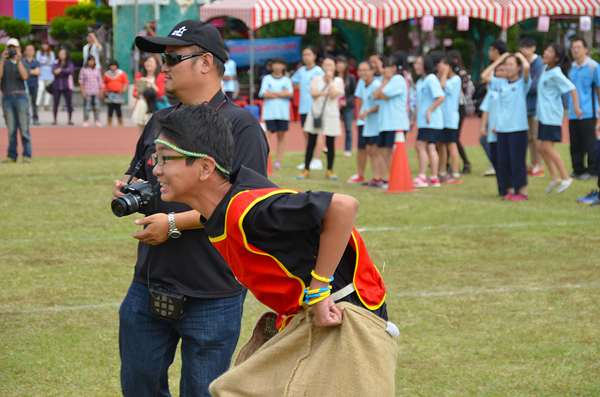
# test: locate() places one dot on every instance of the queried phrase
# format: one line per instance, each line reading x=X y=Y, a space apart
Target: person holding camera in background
x=176 y=260
x=13 y=75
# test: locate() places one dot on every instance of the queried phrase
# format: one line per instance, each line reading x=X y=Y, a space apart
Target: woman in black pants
x=465 y=107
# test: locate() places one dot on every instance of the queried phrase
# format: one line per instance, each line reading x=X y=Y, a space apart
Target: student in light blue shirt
x=490 y=108
x=585 y=74
x=393 y=100
x=376 y=60
x=512 y=126
x=430 y=120
x=301 y=80
x=448 y=137
x=361 y=152
x=552 y=85
x=369 y=113
x=277 y=90
x=229 y=76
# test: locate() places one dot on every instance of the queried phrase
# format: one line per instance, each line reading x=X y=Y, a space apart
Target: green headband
x=191 y=154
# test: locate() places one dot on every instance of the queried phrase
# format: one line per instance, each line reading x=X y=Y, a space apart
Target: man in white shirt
x=92 y=48
x=230 y=76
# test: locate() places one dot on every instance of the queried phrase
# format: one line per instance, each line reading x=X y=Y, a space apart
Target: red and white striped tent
x=394 y=11
x=515 y=11
x=256 y=13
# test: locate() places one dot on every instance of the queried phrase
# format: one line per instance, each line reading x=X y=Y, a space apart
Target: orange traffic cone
x=400 y=176
x=269 y=165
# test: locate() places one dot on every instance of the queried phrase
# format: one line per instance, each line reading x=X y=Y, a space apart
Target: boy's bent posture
x=298 y=253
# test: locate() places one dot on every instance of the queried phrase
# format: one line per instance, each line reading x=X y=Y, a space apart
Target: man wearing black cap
x=176 y=261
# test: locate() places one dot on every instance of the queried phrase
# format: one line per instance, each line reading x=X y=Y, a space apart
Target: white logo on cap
x=179 y=32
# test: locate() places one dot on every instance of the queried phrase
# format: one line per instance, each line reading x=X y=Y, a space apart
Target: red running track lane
x=63 y=141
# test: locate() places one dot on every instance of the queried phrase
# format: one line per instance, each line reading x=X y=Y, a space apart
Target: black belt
x=18 y=92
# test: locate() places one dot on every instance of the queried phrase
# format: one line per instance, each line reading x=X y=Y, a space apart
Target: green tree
x=14 y=27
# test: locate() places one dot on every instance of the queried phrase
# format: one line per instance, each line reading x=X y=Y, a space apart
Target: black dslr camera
x=139 y=197
x=12 y=53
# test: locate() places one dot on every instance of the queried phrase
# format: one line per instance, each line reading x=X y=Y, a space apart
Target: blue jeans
x=483 y=140
x=147 y=343
x=348 y=115
x=16 y=115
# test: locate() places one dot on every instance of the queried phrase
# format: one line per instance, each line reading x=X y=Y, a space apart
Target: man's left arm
x=338 y=223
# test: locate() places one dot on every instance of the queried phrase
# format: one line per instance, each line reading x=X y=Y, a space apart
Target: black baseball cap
x=188 y=32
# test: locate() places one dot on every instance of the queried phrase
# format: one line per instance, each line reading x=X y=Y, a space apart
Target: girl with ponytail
x=447 y=140
x=553 y=83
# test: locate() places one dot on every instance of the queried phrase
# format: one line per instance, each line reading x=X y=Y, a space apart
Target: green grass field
x=492 y=298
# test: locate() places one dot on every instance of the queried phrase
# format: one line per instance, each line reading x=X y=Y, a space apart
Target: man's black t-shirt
x=190 y=265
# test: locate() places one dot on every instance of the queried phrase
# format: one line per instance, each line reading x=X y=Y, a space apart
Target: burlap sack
x=357 y=358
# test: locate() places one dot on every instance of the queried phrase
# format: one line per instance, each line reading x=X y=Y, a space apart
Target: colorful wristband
x=321 y=278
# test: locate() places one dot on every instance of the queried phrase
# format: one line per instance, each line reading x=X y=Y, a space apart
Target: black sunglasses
x=174 y=59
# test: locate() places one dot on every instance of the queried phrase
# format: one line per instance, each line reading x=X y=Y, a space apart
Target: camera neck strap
x=216 y=102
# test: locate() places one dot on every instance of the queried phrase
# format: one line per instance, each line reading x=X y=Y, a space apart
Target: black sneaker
x=466 y=169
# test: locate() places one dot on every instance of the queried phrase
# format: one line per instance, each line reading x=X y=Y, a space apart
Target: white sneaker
x=553 y=184
x=564 y=185
x=490 y=172
x=300 y=166
x=316 y=164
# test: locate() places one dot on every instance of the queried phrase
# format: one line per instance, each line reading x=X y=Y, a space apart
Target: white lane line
x=423 y=294
x=61 y=308
x=495 y=291
x=493 y=226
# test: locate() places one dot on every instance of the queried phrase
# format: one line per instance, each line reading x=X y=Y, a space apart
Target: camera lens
x=125 y=205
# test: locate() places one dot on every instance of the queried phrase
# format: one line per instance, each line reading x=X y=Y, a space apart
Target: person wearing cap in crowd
x=175 y=255
x=13 y=75
x=277 y=90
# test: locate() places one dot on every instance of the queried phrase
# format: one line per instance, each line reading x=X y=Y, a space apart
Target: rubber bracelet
x=317 y=291
x=317 y=300
x=321 y=278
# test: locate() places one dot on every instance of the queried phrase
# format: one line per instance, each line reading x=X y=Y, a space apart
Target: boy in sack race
x=298 y=253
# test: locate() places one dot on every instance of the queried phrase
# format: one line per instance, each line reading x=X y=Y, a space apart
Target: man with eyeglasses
x=175 y=257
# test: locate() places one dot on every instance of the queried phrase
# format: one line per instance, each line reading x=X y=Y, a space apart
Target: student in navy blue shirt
x=512 y=126
x=528 y=47
x=585 y=74
x=430 y=120
x=552 y=85
x=277 y=90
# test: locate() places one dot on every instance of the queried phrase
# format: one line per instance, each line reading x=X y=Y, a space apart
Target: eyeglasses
x=161 y=158
x=174 y=59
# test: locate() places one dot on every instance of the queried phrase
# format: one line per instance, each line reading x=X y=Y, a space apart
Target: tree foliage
x=65 y=28
x=14 y=27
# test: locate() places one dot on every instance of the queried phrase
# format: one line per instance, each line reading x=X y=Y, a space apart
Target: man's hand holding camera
x=12 y=52
x=157 y=225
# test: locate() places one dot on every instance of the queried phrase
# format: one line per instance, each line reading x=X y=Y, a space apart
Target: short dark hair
x=113 y=62
x=313 y=49
x=428 y=65
x=436 y=56
x=200 y=129
x=528 y=42
x=580 y=39
x=499 y=45
x=219 y=65
x=378 y=55
x=459 y=59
